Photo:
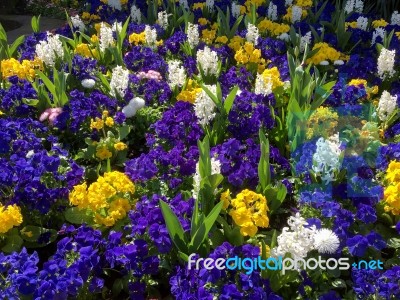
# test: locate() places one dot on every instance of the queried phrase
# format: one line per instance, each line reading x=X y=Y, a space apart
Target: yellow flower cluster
x=392 y=192
x=226 y=198
x=198 y=5
x=99 y=123
x=137 y=38
x=325 y=53
x=107 y=198
x=236 y=42
x=248 y=4
x=189 y=94
x=208 y=36
x=249 y=211
x=88 y=17
x=248 y=54
x=351 y=24
x=304 y=3
x=10 y=216
x=398 y=35
x=103 y=153
x=272 y=75
x=379 y=23
x=273 y=28
x=221 y=39
x=84 y=50
x=322 y=122
x=24 y=70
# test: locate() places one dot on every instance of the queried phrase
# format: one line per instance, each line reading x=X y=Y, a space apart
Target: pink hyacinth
x=151 y=74
x=51 y=114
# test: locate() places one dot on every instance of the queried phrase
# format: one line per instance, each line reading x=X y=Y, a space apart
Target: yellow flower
x=10 y=216
x=226 y=198
x=97 y=124
x=190 y=92
x=379 y=23
x=392 y=191
x=249 y=212
x=304 y=3
x=103 y=153
x=137 y=38
x=358 y=82
x=273 y=28
x=105 y=113
x=221 y=39
x=203 y=21
x=1 y=113
x=272 y=75
x=78 y=196
x=94 y=38
x=24 y=70
x=208 y=36
x=199 y=5
x=325 y=52
x=120 y=146
x=109 y=122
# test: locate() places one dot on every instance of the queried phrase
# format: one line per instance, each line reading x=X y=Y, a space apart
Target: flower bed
x=202 y=150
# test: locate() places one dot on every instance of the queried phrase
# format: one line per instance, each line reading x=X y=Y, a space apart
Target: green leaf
x=32 y=233
x=230 y=99
x=339 y=283
x=76 y=216
x=35 y=23
x=174 y=227
x=15 y=45
x=13 y=243
x=124 y=131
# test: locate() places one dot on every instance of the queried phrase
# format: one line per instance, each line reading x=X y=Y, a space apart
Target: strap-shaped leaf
x=174 y=227
x=230 y=99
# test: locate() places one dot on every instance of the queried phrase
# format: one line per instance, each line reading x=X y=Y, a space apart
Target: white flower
x=78 y=23
x=176 y=74
x=136 y=15
x=106 y=37
x=119 y=81
x=48 y=51
x=349 y=6
x=88 y=83
x=326 y=241
x=151 y=36
x=379 y=32
x=297 y=240
x=386 y=63
x=288 y=3
x=262 y=86
x=297 y=12
x=163 y=19
x=193 y=35
x=359 y=6
x=184 y=4
x=235 y=10
x=326 y=157
x=116 y=4
x=210 y=5
x=324 y=63
x=204 y=106
x=338 y=62
x=395 y=20
x=272 y=11
x=362 y=23
x=30 y=154
x=215 y=169
x=117 y=26
x=252 y=34
x=208 y=61
x=134 y=105
x=284 y=37
x=304 y=40
x=387 y=104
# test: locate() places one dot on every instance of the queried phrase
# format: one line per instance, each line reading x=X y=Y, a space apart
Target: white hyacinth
x=176 y=74
x=136 y=14
x=297 y=239
x=151 y=36
x=304 y=40
x=288 y=3
x=284 y=37
x=354 y=5
x=215 y=169
x=88 y=83
x=349 y=7
x=297 y=12
x=133 y=106
x=272 y=12
x=208 y=61
x=395 y=20
x=386 y=63
x=252 y=34
x=116 y=27
x=235 y=10
x=387 y=105
x=210 y=5
x=77 y=23
x=116 y=4
x=162 y=19
x=326 y=241
x=193 y=35
x=119 y=81
x=262 y=86
x=106 y=37
x=184 y=4
x=204 y=106
x=379 y=32
x=326 y=157
x=48 y=51
x=362 y=23
x=359 y=6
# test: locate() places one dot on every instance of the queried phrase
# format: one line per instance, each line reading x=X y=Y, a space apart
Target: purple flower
x=357 y=245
